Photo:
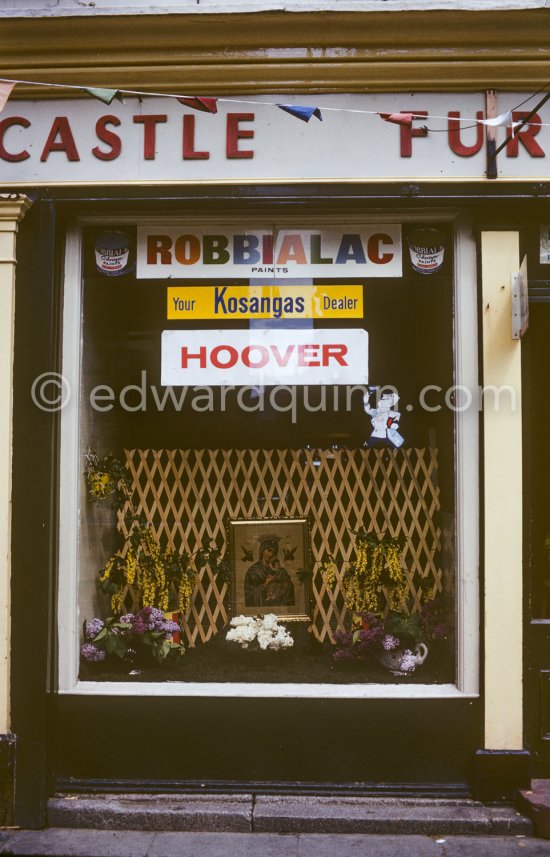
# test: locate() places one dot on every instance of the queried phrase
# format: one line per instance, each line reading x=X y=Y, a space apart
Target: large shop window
x=262 y=480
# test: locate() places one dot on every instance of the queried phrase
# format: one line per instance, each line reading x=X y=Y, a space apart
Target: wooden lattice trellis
x=188 y=496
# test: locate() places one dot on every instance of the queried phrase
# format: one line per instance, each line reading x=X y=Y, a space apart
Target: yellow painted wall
x=503 y=499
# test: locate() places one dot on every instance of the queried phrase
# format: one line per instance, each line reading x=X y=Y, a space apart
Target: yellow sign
x=232 y=303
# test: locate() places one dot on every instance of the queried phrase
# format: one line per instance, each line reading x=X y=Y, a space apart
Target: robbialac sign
x=157 y=140
x=351 y=251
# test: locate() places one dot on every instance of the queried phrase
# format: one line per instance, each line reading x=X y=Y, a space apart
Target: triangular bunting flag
x=398 y=118
x=105 y=95
x=503 y=119
x=5 y=92
x=303 y=113
x=207 y=105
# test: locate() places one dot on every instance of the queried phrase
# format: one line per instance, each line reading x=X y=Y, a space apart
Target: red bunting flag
x=398 y=118
x=5 y=92
x=207 y=105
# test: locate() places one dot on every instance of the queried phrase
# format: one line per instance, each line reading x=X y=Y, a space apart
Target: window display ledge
x=297 y=691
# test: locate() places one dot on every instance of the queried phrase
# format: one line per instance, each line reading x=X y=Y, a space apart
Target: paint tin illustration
x=427 y=249
x=112 y=250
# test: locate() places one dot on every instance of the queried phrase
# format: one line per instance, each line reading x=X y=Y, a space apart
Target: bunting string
x=209 y=104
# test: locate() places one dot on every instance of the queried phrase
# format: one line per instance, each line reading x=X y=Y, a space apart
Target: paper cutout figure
x=384 y=419
x=303 y=113
x=5 y=92
x=206 y=105
x=105 y=95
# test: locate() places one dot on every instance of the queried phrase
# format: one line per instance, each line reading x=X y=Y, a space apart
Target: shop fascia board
x=323 y=51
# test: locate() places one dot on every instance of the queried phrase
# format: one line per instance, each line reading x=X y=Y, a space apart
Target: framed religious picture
x=270 y=567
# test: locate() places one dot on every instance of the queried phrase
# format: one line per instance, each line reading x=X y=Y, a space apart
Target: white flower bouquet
x=259 y=633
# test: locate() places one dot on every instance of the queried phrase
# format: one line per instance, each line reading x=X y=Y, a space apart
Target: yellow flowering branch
x=155 y=573
x=159 y=577
x=106 y=476
x=376 y=571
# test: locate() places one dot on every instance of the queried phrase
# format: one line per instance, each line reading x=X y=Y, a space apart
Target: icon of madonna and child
x=267 y=583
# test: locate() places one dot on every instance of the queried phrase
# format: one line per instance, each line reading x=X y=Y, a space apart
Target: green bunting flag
x=105 y=95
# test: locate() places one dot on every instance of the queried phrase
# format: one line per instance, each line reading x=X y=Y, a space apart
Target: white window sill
x=271 y=690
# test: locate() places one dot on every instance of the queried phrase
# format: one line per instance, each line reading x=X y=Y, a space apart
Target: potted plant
x=376 y=592
x=131 y=637
x=399 y=642
x=161 y=580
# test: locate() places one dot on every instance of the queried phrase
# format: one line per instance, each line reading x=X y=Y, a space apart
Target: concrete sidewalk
x=66 y=842
x=262 y=825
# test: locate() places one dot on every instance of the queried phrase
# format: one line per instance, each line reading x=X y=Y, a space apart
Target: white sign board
x=154 y=140
x=520 y=302
x=166 y=250
x=219 y=358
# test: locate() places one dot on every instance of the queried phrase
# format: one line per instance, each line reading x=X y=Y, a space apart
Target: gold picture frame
x=270 y=567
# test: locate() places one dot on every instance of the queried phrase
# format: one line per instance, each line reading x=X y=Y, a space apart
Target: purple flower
x=408 y=662
x=372 y=634
x=91 y=653
x=151 y=618
x=156 y=614
x=390 y=642
x=158 y=623
x=170 y=628
x=128 y=618
x=93 y=627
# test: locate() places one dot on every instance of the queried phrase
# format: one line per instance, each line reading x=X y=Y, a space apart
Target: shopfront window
x=267 y=427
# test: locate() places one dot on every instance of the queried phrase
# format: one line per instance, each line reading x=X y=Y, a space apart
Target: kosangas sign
x=236 y=303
